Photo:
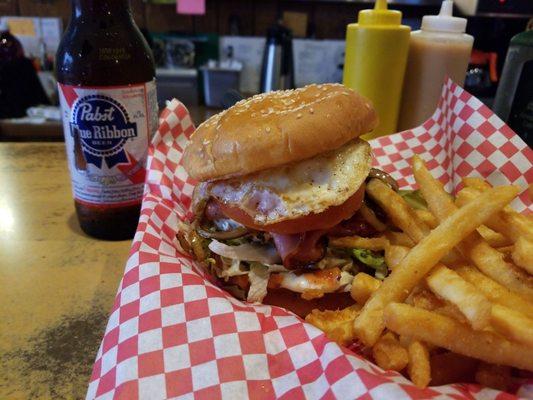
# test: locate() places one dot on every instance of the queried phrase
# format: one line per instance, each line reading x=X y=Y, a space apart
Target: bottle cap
x=380 y=15
x=444 y=22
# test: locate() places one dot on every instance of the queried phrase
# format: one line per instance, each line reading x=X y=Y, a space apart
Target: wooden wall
x=326 y=19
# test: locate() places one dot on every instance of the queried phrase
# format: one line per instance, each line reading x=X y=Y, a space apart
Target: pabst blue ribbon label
x=107 y=131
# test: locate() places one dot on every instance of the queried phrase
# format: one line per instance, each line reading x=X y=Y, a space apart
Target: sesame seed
x=267 y=129
x=298 y=115
x=311 y=110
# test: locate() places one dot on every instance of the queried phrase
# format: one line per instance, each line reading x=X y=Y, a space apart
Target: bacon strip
x=301 y=248
x=212 y=211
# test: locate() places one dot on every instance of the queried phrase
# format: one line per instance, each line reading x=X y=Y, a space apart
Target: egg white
x=298 y=189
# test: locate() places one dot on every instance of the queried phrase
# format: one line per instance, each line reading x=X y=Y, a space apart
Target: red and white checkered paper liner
x=174 y=334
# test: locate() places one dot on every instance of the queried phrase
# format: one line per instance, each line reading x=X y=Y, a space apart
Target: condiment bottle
x=439 y=49
x=10 y=47
x=374 y=65
x=106 y=77
x=514 y=98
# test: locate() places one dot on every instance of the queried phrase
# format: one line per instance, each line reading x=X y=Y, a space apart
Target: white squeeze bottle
x=440 y=48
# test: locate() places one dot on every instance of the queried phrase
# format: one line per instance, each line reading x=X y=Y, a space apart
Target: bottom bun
x=293 y=301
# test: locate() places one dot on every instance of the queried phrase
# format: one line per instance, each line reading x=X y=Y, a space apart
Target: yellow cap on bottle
x=380 y=15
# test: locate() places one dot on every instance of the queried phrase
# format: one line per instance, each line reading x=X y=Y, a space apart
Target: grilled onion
x=383 y=176
x=220 y=235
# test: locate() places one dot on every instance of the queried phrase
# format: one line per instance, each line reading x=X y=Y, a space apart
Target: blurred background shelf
x=242 y=25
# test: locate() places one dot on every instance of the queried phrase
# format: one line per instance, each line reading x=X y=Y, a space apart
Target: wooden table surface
x=57 y=285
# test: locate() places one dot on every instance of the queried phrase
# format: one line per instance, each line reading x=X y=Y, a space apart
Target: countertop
x=57 y=285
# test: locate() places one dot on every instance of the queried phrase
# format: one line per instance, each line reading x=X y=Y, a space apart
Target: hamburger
x=279 y=175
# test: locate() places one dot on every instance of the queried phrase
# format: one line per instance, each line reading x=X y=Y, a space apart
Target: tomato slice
x=324 y=220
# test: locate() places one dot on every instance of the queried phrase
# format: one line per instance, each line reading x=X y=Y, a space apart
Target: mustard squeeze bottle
x=374 y=65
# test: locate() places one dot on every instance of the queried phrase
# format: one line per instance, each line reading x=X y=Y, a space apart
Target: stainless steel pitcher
x=277 y=71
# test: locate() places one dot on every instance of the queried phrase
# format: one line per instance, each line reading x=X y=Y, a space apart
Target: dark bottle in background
x=10 y=47
x=514 y=98
x=20 y=87
x=106 y=78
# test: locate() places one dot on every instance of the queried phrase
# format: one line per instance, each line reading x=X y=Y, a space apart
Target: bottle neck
x=101 y=8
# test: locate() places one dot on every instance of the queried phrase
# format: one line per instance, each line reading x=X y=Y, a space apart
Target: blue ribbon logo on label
x=101 y=127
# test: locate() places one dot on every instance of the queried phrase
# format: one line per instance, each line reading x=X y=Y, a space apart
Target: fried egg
x=297 y=189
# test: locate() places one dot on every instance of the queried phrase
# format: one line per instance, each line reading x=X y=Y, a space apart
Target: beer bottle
x=106 y=78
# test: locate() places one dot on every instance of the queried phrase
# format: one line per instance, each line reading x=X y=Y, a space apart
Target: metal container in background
x=514 y=98
x=277 y=72
x=179 y=83
x=218 y=79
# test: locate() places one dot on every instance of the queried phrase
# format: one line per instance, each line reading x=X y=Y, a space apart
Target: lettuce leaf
x=414 y=199
x=373 y=260
x=246 y=252
x=258 y=277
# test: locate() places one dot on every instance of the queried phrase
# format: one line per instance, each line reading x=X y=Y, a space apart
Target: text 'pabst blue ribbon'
x=103 y=127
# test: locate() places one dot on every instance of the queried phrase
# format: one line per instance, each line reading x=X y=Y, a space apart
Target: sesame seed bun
x=273 y=129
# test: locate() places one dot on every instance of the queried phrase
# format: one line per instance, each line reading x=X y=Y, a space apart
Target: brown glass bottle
x=104 y=69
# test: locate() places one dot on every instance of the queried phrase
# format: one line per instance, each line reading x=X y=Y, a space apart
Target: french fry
x=449 y=285
x=389 y=354
x=506 y=249
x=451 y=368
x=489 y=260
x=405 y=341
x=508 y=222
x=495 y=292
x=491 y=232
x=439 y=202
x=476 y=183
x=494 y=376
x=494 y=239
x=445 y=332
x=397 y=209
x=419 y=368
x=522 y=254
x=426 y=254
x=492 y=263
x=401 y=215
x=451 y=310
x=520 y=222
x=428 y=218
x=376 y=244
x=363 y=285
x=370 y=217
x=424 y=299
x=336 y=324
x=512 y=324
x=399 y=239
x=394 y=254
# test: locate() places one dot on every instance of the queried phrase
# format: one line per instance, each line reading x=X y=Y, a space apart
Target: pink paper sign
x=190 y=7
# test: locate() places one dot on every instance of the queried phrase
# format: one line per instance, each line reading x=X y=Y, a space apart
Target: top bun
x=276 y=128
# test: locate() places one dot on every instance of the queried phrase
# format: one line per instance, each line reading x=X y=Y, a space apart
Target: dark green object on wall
x=514 y=98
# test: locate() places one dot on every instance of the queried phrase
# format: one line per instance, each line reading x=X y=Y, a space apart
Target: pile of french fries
x=457 y=305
